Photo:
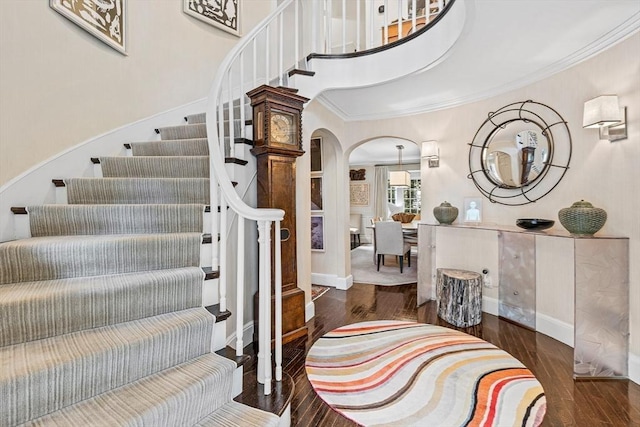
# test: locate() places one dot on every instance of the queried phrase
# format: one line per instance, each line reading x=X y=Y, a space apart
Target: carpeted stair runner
x=47 y=258
x=69 y=220
x=196 y=118
x=87 y=191
x=101 y=310
x=178 y=147
x=83 y=364
x=155 y=167
x=46 y=308
x=189 y=131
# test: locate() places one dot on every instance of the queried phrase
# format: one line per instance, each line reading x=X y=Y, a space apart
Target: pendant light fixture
x=399 y=178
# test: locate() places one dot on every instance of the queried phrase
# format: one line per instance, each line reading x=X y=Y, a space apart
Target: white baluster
x=255 y=63
x=280 y=48
x=232 y=130
x=267 y=309
x=266 y=54
x=278 y=300
x=399 y=19
x=440 y=6
x=358 y=25
x=413 y=15
x=372 y=25
x=240 y=288
x=329 y=35
x=242 y=97
x=386 y=23
x=262 y=291
x=222 y=282
x=296 y=46
x=214 y=200
x=314 y=27
x=344 y=26
x=221 y=124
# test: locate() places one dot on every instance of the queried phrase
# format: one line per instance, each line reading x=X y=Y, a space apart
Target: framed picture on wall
x=223 y=14
x=316 y=154
x=359 y=194
x=317 y=233
x=316 y=194
x=472 y=210
x=107 y=24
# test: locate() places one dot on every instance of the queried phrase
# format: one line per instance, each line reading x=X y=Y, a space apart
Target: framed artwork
x=317 y=233
x=103 y=19
x=472 y=209
x=223 y=14
x=359 y=194
x=316 y=154
x=316 y=193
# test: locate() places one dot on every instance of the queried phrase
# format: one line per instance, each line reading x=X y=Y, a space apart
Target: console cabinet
x=539 y=278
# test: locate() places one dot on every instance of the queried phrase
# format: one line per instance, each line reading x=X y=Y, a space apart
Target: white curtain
x=380 y=191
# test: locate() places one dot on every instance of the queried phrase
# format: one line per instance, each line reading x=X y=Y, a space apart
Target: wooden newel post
x=459 y=296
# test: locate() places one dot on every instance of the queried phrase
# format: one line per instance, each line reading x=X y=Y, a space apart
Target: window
x=411 y=196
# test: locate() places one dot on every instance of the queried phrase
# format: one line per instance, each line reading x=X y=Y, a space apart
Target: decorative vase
x=582 y=219
x=445 y=213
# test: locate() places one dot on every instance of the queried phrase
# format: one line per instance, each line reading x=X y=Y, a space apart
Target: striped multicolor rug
x=405 y=373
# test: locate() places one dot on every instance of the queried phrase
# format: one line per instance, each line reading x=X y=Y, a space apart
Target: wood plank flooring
x=569 y=403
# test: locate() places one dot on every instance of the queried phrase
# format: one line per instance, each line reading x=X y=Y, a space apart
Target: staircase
x=113 y=302
x=102 y=307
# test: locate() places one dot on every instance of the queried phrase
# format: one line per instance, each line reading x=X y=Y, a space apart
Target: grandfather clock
x=277 y=129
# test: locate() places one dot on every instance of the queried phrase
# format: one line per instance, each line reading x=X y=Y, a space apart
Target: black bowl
x=534 y=223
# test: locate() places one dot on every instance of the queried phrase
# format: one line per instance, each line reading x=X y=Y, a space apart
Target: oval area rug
x=413 y=374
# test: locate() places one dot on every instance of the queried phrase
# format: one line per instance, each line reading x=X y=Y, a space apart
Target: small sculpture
x=445 y=213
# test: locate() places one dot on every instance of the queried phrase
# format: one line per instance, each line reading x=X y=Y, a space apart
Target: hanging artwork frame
x=223 y=14
x=107 y=21
x=316 y=154
x=359 y=194
x=317 y=233
x=316 y=193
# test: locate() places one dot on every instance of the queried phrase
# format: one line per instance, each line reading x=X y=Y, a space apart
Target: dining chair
x=389 y=241
x=354 y=228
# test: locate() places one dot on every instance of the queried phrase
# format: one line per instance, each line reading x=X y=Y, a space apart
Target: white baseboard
x=342 y=283
x=634 y=368
x=555 y=329
x=309 y=311
x=247 y=336
x=490 y=305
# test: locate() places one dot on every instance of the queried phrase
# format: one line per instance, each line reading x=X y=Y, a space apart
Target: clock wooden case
x=277 y=128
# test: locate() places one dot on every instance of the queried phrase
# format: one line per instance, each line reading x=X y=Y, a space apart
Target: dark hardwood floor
x=569 y=403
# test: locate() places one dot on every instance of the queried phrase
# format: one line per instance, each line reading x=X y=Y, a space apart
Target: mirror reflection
x=514 y=158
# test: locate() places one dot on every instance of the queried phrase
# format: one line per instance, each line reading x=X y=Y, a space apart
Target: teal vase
x=445 y=213
x=582 y=218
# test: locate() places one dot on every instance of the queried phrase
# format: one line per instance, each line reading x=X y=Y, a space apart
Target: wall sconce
x=605 y=114
x=431 y=152
x=399 y=178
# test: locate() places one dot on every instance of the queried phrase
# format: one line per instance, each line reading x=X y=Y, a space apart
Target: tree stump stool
x=459 y=297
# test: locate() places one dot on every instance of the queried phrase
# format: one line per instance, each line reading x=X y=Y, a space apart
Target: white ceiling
x=383 y=151
x=506 y=44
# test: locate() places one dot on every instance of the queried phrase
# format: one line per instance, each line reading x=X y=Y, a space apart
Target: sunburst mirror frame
x=550 y=124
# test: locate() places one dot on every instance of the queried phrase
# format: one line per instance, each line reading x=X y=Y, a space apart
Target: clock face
x=283 y=127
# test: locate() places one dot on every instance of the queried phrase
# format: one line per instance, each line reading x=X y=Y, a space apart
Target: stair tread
x=138 y=190
x=63 y=306
x=186 y=131
x=155 y=166
x=237 y=414
x=83 y=364
x=169 y=147
x=180 y=395
x=54 y=257
x=143 y=218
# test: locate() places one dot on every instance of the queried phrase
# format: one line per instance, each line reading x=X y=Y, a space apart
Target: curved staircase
x=102 y=301
x=102 y=311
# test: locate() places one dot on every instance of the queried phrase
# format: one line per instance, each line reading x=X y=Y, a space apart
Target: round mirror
x=520 y=153
x=515 y=158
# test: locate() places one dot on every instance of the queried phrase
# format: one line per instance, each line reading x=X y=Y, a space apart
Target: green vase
x=445 y=213
x=582 y=219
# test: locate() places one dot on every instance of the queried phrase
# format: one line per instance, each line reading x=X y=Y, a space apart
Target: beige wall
x=61 y=86
x=606 y=174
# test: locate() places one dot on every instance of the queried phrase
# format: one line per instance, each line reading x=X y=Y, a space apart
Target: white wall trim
x=247 y=335
x=342 y=283
x=555 y=329
x=634 y=368
x=490 y=305
x=309 y=311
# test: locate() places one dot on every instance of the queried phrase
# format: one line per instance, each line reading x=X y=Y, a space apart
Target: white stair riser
x=210 y=294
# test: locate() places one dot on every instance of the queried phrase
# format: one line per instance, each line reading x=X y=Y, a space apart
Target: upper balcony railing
x=265 y=55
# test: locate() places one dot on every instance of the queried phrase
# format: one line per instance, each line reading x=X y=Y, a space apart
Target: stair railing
x=266 y=55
